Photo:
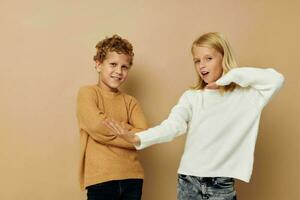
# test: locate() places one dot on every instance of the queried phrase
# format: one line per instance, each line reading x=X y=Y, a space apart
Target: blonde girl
x=221 y=118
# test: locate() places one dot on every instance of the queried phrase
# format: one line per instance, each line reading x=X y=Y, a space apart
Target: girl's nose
x=201 y=65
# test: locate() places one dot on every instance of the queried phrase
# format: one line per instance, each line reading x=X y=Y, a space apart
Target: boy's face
x=113 y=71
x=208 y=63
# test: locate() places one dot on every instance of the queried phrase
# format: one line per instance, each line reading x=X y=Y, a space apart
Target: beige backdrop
x=46 y=50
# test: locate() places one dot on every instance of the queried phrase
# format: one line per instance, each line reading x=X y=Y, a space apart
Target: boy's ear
x=98 y=66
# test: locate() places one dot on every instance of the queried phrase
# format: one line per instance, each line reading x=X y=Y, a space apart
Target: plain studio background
x=46 y=55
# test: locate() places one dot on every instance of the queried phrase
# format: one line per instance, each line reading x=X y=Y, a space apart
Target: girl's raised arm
x=266 y=81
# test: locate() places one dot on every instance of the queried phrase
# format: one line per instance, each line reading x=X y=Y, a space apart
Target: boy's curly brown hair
x=113 y=44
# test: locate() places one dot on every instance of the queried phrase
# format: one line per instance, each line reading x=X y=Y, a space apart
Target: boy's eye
x=209 y=58
x=196 y=61
x=125 y=67
x=113 y=64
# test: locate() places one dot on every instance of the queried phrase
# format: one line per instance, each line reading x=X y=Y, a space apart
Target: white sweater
x=221 y=129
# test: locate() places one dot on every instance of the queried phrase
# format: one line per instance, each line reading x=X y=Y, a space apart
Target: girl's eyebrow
x=208 y=55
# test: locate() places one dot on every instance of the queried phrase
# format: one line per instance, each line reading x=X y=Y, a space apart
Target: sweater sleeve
x=136 y=117
x=175 y=125
x=266 y=82
x=90 y=118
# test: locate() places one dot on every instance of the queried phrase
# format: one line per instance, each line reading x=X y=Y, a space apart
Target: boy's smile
x=113 y=71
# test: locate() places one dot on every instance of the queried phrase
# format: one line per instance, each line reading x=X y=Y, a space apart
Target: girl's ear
x=98 y=66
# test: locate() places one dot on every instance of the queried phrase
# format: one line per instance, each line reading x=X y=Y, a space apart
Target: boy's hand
x=120 y=129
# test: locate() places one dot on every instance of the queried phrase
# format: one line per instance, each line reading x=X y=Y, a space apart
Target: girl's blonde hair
x=219 y=43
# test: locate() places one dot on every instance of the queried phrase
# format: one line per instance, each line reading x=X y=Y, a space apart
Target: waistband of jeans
x=206 y=179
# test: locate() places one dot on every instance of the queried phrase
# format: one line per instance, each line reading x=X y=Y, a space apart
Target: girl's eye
x=125 y=67
x=209 y=58
x=113 y=64
x=197 y=61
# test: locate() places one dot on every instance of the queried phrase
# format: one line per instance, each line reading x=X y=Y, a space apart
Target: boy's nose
x=118 y=70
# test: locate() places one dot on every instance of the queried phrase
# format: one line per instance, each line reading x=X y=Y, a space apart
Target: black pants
x=128 y=189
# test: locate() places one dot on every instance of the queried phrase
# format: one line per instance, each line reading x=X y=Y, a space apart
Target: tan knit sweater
x=103 y=156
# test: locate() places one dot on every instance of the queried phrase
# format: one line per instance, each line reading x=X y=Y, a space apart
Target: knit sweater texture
x=221 y=128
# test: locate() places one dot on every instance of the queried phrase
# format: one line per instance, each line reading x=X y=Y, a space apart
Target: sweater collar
x=108 y=93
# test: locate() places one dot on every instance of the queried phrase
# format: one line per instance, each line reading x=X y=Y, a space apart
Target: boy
x=109 y=165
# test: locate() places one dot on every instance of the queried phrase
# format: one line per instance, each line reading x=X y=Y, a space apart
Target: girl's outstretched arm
x=175 y=125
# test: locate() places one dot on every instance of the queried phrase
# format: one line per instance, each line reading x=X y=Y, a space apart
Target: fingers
x=123 y=125
x=110 y=125
x=212 y=85
x=126 y=126
x=115 y=127
x=118 y=126
x=118 y=129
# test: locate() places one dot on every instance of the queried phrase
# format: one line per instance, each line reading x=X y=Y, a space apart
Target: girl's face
x=208 y=63
x=113 y=71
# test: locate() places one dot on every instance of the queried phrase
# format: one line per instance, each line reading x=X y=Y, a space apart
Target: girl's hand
x=127 y=126
x=121 y=130
x=212 y=85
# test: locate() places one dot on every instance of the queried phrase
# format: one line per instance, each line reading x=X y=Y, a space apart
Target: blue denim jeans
x=128 y=189
x=199 y=188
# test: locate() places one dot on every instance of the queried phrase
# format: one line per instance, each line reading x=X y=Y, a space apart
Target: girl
x=221 y=117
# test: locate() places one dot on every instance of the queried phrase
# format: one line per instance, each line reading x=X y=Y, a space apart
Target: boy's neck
x=106 y=88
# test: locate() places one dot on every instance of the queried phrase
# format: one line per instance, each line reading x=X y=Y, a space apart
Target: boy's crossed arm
x=91 y=120
x=119 y=130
